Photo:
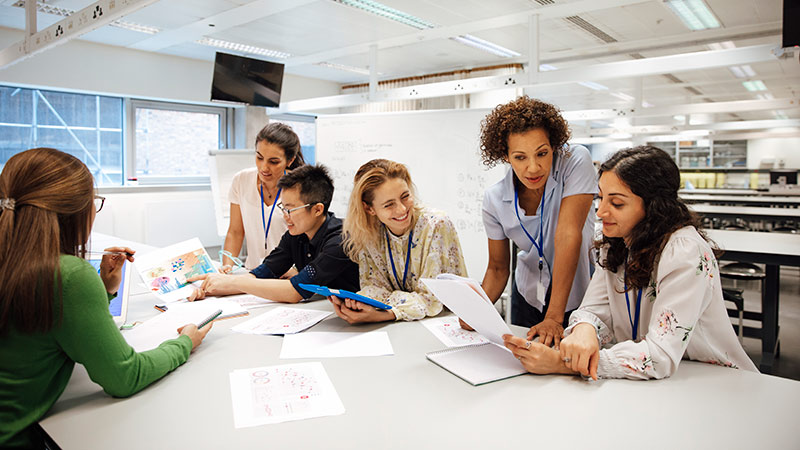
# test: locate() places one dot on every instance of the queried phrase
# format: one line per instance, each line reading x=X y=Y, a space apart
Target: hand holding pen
x=111 y=266
x=198 y=332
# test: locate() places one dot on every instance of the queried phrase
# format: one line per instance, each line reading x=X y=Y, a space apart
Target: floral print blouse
x=435 y=249
x=682 y=315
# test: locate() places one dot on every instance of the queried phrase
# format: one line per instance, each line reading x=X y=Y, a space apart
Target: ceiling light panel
x=695 y=14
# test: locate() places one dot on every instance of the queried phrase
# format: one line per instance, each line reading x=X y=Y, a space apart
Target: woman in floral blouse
x=658 y=297
x=396 y=243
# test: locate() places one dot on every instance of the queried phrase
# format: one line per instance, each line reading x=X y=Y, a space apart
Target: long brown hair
x=361 y=229
x=283 y=136
x=651 y=174
x=53 y=198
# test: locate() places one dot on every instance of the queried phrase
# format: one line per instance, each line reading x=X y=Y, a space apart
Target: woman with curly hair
x=542 y=205
x=658 y=297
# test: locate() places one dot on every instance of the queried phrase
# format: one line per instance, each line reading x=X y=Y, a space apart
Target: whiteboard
x=441 y=150
x=222 y=166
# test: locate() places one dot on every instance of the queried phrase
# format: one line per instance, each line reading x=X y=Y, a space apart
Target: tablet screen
x=115 y=307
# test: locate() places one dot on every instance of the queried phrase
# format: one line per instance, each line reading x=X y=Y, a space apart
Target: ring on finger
x=566 y=359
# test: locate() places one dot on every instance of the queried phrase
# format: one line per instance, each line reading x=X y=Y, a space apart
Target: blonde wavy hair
x=361 y=229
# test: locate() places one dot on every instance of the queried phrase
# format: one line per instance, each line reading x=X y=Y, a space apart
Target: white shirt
x=245 y=193
x=571 y=174
x=682 y=315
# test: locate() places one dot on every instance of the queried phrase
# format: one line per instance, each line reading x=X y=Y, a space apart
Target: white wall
x=786 y=149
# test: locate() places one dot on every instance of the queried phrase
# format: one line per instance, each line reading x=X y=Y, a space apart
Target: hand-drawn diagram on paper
x=165 y=271
x=449 y=331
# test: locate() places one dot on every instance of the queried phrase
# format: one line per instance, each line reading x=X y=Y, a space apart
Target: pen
x=208 y=319
x=110 y=253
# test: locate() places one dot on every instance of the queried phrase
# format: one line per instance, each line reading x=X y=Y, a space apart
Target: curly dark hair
x=651 y=174
x=521 y=115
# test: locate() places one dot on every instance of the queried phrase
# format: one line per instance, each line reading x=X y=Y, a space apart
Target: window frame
x=129 y=119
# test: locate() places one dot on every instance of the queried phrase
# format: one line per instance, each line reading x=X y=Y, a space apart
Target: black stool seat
x=742 y=271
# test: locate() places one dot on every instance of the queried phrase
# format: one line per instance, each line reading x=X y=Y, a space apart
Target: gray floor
x=788 y=364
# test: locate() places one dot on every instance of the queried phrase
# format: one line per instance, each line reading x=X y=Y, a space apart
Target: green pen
x=208 y=319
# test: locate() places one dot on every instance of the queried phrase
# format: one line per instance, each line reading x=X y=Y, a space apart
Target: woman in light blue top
x=543 y=205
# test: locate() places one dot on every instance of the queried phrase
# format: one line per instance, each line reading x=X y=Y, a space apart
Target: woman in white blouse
x=395 y=242
x=254 y=194
x=658 y=297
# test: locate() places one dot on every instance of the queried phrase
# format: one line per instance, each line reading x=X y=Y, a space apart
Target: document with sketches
x=274 y=394
x=164 y=271
x=229 y=306
x=449 y=331
x=150 y=334
x=336 y=345
x=468 y=301
x=478 y=364
x=282 y=320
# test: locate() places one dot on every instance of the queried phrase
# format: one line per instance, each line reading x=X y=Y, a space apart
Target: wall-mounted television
x=246 y=80
x=791 y=15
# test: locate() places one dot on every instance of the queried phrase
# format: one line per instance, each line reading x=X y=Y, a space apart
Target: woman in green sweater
x=53 y=306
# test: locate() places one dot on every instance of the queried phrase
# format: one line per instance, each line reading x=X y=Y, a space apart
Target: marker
x=208 y=319
x=109 y=253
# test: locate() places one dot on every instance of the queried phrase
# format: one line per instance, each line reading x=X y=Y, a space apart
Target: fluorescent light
x=243 y=48
x=486 y=46
x=343 y=67
x=765 y=96
x=646 y=104
x=390 y=13
x=744 y=71
x=725 y=45
x=594 y=86
x=64 y=12
x=546 y=68
x=623 y=96
x=748 y=70
x=135 y=27
x=680 y=117
x=781 y=115
x=694 y=14
x=754 y=85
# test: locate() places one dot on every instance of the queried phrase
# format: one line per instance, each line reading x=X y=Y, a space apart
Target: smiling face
x=393 y=205
x=302 y=220
x=271 y=163
x=531 y=157
x=620 y=209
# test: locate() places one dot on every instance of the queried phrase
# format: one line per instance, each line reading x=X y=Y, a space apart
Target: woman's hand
x=213 y=284
x=196 y=335
x=549 y=331
x=354 y=312
x=111 y=267
x=580 y=351
x=465 y=325
x=226 y=269
x=535 y=357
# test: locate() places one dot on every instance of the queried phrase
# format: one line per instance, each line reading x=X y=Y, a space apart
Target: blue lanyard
x=540 y=245
x=408 y=258
x=263 y=221
x=634 y=325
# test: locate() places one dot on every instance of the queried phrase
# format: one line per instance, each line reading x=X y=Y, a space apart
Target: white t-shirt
x=245 y=193
x=570 y=175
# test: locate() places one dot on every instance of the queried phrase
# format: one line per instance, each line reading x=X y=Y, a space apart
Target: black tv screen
x=791 y=17
x=246 y=80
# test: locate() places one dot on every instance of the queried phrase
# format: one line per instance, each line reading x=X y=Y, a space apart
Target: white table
x=404 y=401
x=773 y=250
x=749 y=212
x=784 y=201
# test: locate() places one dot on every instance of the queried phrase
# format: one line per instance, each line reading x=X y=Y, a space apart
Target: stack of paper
x=153 y=332
x=282 y=320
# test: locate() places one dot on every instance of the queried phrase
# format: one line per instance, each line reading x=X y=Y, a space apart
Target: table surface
x=405 y=401
x=792 y=200
x=745 y=210
x=779 y=244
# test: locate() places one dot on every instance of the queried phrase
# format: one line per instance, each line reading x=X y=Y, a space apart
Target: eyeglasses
x=288 y=212
x=236 y=261
x=99 y=201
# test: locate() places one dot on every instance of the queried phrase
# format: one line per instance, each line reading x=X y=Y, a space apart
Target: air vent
x=591 y=29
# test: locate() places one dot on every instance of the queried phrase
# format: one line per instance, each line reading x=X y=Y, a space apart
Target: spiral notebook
x=478 y=364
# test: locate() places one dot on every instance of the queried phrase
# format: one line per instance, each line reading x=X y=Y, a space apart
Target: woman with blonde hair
x=396 y=242
x=53 y=306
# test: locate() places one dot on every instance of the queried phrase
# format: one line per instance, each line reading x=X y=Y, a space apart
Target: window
x=171 y=141
x=86 y=126
x=306 y=129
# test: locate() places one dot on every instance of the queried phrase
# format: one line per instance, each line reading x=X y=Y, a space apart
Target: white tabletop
x=745 y=210
x=756 y=242
x=404 y=401
x=791 y=200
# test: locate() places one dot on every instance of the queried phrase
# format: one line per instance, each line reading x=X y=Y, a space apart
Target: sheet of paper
x=336 y=345
x=152 y=333
x=471 y=306
x=282 y=320
x=449 y=331
x=248 y=301
x=274 y=394
x=164 y=271
x=229 y=306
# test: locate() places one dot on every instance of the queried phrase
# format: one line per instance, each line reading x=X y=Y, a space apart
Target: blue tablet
x=324 y=291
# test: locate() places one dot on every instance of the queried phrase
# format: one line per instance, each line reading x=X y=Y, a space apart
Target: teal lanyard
x=408 y=258
x=263 y=221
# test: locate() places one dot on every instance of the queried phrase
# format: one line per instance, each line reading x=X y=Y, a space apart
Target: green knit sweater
x=35 y=368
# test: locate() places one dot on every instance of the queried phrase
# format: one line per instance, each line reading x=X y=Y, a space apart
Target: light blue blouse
x=572 y=174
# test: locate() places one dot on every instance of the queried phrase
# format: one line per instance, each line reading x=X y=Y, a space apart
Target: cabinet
x=720 y=154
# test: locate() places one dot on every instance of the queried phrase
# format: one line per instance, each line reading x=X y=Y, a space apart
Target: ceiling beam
x=94 y=16
x=547 y=12
x=231 y=18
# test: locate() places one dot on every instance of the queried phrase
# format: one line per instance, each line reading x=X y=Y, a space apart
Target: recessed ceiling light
x=695 y=14
x=243 y=48
x=343 y=67
x=754 y=85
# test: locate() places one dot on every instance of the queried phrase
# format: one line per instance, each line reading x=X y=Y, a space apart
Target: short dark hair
x=316 y=184
x=519 y=116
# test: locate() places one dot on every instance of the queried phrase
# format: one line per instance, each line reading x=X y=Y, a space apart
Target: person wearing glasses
x=254 y=195
x=656 y=296
x=53 y=306
x=542 y=205
x=312 y=243
x=396 y=243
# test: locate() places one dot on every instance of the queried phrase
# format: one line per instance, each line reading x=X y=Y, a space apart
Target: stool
x=735 y=296
x=743 y=271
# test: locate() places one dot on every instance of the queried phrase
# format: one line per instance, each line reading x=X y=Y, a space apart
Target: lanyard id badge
x=408 y=259
x=541 y=290
x=635 y=319
x=267 y=224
